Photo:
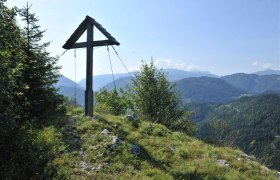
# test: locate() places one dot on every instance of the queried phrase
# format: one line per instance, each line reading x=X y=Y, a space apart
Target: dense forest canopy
x=250 y=123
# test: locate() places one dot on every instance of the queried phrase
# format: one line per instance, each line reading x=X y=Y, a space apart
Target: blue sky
x=219 y=36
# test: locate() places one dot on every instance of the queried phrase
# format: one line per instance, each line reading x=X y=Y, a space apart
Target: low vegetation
x=151 y=97
x=163 y=154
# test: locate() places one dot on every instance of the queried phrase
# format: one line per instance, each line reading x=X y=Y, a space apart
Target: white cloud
x=134 y=68
x=168 y=63
x=263 y=65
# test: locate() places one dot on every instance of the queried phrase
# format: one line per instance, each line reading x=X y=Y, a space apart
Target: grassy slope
x=163 y=154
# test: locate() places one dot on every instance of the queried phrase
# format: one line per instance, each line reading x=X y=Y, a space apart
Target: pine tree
x=27 y=74
x=11 y=89
x=40 y=70
x=11 y=54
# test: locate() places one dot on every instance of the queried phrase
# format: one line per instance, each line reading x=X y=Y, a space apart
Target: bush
x=110 y=102
x=156 y=99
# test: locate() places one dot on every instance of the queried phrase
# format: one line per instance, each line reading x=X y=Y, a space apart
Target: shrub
x=156 y=99
x=110 y=102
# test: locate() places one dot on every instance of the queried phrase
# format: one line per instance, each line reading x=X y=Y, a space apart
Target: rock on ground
x=222 y=162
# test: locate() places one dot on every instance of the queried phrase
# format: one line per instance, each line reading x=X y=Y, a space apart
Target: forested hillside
x=207 y=89
x=250 y=123
x=253 y=83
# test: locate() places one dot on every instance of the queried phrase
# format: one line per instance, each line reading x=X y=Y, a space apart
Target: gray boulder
x=85 y=166
x=248 y=158
x=278 y=175
x=135 y=149
x=171 y=148
x=97 y=168
x=223 y=163
x=131 y=117
x=105 y=131
x=116 y=141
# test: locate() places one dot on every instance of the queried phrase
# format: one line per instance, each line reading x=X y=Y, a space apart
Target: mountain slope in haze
x=66 y=87
x=267 y=72
x=207 y=89
x=250 y=123
x=144 y=150
x=176 y=74
x=203 y=89
x=216 y=90
x=121 y=83
x=69 y=92
x=254 y=83
x=100 y=81
x=66 y=82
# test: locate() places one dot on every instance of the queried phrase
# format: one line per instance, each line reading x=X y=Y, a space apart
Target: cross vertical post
x=89 y=73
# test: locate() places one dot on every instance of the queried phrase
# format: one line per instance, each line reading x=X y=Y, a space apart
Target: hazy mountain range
x=100 y=81
x=192 y=85
x=267 y=72
x=207 y=89
x=254 y=83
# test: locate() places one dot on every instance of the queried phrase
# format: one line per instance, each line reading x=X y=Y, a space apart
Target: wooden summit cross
x=88 y=24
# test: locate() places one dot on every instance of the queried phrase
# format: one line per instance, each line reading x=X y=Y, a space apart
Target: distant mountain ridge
x=121 y=83
x=193 y=86
x=207 y=89
x=267 y=72
x=176 y=74
x=69 y=92
x=254 y=83
x=66 y=87
x=219 y=90
x=99 y=81
x=66 y=82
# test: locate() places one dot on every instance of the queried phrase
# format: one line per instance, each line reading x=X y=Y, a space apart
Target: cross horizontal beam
x=92 y=44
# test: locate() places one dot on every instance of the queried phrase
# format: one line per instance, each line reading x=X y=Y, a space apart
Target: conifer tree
x=40 y=70
x=10 y=69
x=27 y=74
x=11 y=89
